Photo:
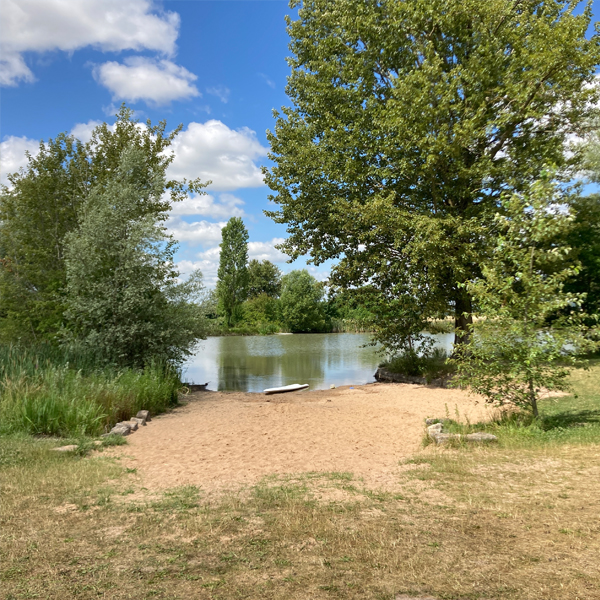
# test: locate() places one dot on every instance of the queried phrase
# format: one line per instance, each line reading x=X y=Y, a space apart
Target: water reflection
x=256 y=362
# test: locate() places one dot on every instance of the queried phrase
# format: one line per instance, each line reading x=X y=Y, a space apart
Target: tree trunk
x=463 y=318
x=533 y=400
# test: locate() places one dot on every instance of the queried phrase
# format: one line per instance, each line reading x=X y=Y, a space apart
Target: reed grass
x=46 y=391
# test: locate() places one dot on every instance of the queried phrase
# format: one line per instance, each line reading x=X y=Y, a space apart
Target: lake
x=253 y=363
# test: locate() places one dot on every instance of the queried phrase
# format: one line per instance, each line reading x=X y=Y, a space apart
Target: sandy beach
x=221 y=440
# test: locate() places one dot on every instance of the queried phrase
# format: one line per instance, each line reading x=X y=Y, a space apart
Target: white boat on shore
x=286 y=388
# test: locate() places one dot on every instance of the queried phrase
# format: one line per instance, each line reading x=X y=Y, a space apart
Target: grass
x=43 y=392
x=571 y=419
x=516 y=521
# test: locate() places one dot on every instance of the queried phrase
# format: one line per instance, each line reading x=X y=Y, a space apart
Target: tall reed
x=54 y=392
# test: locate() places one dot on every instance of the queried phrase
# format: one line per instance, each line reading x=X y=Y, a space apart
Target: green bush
x=432 y=365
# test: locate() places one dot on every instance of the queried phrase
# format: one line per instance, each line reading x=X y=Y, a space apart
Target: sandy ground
x=221 y=440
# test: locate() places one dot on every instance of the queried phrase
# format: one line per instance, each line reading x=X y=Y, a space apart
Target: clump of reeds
x=44 y=391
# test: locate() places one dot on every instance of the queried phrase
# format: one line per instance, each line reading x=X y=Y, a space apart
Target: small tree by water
x=530 y=329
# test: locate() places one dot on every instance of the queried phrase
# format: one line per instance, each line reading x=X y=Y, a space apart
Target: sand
x=221 y=440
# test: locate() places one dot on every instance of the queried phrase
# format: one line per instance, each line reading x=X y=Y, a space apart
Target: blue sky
x=218 y=67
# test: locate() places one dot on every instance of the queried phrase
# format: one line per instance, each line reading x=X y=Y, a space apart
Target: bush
x=432 y=365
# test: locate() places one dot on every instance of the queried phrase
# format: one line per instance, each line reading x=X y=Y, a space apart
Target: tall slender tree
x=232 y=284
x=408 y=122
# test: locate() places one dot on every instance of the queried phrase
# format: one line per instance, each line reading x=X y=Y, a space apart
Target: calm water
x=253 y=363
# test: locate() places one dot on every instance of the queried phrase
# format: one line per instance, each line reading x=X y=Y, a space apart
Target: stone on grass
x=144 y=414
x=481 y=436
x=444 y=438
x=434 y=430
x=132 y=426
x=68 y=448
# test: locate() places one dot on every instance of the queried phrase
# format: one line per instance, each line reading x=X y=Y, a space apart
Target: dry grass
x=465 y=525
x=509 y=522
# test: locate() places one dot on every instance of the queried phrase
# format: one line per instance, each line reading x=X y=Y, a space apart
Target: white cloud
x=206 y=205
x=141 y=78
x=207 y=262
x=267 y=251
x=83 y=131
x=12 y=155
x=214 y=152
x=199 y=233
x=68 y=25
x=220 y=91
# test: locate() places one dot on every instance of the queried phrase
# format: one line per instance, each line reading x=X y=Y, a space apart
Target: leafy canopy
x=263 y=278
x=123 y=297
x=301 y=303
x=408 y=122
x=530 y=329
x=42 y=204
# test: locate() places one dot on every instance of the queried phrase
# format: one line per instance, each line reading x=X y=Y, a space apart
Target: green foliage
x=123 y=295
x=263 y=278
x=35 y=214
x=431 y=365
x=261 y=308
x=408 y=121
x=519 y=346
x=301 y=302
x=43 y=205
x=42 y=392
x=584 y=238
x=232 y=286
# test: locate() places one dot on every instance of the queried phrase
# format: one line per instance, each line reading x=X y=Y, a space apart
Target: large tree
x=409 y=120
x=232 y=284
x=123 y=297
x=531 y=328
x=42 y=203
x=263 y=278
x=301 y=304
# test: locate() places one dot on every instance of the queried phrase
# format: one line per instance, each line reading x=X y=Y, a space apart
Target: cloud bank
x=69 y=25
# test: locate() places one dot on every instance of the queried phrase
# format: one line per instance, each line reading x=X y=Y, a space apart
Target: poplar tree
x=408 y=122
x=232 y=284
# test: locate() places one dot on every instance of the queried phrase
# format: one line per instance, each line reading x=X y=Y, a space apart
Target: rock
x=137 y=420
x=434 y=430
x=120 y=429
x=444 y=438
x=332 y=387
x=68 y=448
x=131 y=424
x=144 y=414
x=97 y=443
x=436 y=421
x=481 y=436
